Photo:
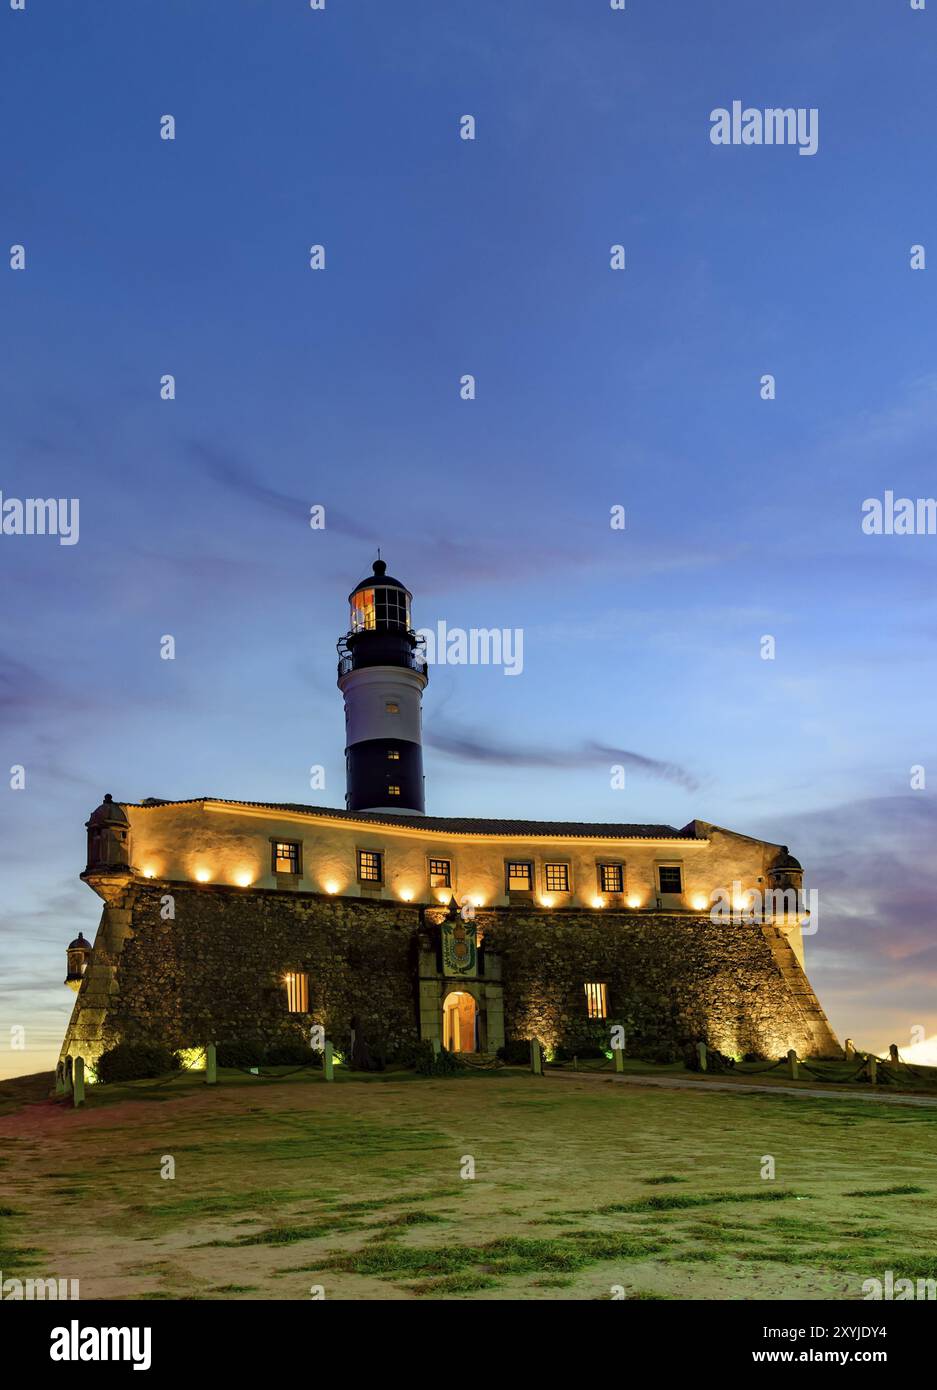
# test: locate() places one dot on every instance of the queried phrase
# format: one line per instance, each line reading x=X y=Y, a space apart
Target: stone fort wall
x=214 y=972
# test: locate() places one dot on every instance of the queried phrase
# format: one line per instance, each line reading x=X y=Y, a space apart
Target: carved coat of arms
x=459 y=947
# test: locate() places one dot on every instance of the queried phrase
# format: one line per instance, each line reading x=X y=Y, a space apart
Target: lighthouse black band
x=372 y=771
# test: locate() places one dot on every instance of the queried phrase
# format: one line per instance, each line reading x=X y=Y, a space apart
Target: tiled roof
x=455 y=825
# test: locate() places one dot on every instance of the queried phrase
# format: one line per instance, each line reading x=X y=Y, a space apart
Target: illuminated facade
x=225 y=918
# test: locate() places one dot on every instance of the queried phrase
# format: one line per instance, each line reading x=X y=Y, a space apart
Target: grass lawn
x=581 y=1184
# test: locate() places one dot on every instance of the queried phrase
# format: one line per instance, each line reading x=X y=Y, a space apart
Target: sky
x=594 y=388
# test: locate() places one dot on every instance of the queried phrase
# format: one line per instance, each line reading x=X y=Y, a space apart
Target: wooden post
x=792 y=1062
x=67 y=1074
x=60 y=1080
x=893 y=1054
x=619 y=1054
x=536 y=1058
x=79 y=1082
x=211 y=1064
x=701 y=1054
x=873 y=1069
x=327 y=1063
x=436 y=1045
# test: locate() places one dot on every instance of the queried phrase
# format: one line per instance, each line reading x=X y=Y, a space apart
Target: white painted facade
x=232 y=843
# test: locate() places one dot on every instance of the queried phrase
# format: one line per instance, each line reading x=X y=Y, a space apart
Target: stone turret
x=787 y=873
x=109 y=868
x=78 y=954
x=108 y=837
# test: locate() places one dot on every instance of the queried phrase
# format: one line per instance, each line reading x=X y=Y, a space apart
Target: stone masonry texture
x=214 y=971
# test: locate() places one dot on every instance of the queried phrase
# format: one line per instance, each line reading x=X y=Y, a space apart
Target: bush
x=583 y=1052
x=240 y=1054
x=292 y=1054
x=585 y=1038
x=716 y=1061
x=443 y=1063
x=660 y=1052
x=400 y=1054
x=515 y=1052
x=131 y=1061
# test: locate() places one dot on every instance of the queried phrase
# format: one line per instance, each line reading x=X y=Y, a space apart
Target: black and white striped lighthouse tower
x=382 y=674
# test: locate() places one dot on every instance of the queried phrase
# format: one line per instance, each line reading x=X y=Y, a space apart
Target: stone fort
x=233 y=921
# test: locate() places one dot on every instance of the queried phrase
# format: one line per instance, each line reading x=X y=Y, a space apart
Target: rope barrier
x=259 y=1075
x=758 y=1071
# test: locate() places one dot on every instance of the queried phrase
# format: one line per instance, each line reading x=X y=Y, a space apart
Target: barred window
x=556 y=878
x=370 y=866
x=440 y=873
x=393 y=755
x=520 y=876
x=596 y=1001
x=670 y=879
x=286 y=857
x=297 y=991
x=393 y=789
x=612 y=878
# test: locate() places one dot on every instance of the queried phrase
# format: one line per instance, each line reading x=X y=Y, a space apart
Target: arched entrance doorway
x=460 y=1022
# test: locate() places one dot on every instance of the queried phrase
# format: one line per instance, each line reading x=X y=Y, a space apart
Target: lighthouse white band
x=371 y=694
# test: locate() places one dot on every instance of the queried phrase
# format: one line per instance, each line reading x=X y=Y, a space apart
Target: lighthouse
x=382 y=674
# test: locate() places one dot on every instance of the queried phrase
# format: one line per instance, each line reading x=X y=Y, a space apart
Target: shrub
x=131 y=1061
x=515 y=1052
x=400 y=1054
x=716 y=1061
x=585 y=1038
x=245 y=1053
x=660 y=1052
x=584 y=1052
x=443 y=1063
x=291 y=1054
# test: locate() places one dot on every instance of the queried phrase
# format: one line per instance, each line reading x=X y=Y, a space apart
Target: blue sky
x=594 y=388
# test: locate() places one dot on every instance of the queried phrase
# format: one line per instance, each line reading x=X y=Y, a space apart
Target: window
x=393 y=755
x=393 y=790
x=596 y=1001
x=297 y=991
x=370 y=866
x=670 y=879
x=440 y=873
x=520 y=876
x=286 y=858
x=612 y=878
x=392 y=707
x=380 y=607
x=556 y=878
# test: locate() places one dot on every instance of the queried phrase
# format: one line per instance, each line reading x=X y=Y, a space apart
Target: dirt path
x=686 y=1083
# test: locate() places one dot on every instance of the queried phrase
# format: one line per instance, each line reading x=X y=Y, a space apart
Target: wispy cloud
x=471 y=748
x=231 y=473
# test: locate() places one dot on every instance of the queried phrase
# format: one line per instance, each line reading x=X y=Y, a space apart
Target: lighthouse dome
x=380 y=603
x=380 y=576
